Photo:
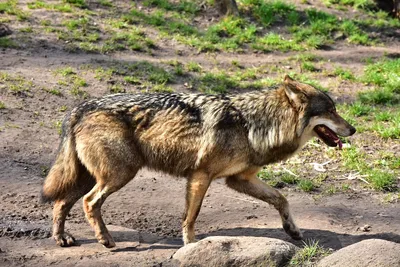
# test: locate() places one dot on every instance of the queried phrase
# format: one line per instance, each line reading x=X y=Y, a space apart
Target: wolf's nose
x=352 y=130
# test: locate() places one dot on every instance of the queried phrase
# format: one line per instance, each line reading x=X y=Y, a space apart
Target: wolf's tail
x=64 y=173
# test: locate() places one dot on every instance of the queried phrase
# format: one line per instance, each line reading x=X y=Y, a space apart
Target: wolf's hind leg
x=60 y=212
x=105 y=146
x=196 y=189
x=63 y=206
x=93 y=201
x=249 y=184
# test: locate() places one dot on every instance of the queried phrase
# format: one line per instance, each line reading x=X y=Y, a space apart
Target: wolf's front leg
x=196 y=189
x=248 y=183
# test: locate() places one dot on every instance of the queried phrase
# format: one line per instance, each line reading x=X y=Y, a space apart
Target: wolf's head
x=317 y=112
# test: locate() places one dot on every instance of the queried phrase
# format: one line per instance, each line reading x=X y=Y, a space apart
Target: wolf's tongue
x=328 y=136
x=339 y=142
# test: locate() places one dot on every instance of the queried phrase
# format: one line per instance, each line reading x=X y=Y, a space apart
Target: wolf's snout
x=349 y=130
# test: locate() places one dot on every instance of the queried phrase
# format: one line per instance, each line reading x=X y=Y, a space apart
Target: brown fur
x=106 y=141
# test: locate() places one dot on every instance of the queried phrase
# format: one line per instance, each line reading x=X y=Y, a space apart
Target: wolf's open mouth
x=328 y=136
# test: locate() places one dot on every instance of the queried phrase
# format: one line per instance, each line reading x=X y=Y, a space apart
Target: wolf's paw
x=64 y=240
x=292 y=231
x=107 y=241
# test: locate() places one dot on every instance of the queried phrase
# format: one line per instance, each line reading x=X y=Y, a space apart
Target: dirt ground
x=145 y=216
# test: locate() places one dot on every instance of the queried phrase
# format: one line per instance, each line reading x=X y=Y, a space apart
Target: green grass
x=381 y=20
x=159 y=76
x=309 y=254
x=331 y=190
x=132 y=80
x=306 y=185
x=161 y=88
x=256 y=29
x=387 y=130
x=60 y=7
x=77 y=3
x=15 y=83
x=26 y=30
x=135 y=40
x=83 y=34
x=359 y=109
x=376 y=173
x=308 y=80
x=273 y=41
x=58 y=126
x=72 y=80
x=354 y=159
x=344 y=74
x=10 y=7
x=186 y=7
x=383 y=121
x=106 y=3
x=357 y=4
x=67 y=71
x=384 y=116
x=382 y=180
x=385 y=75
x=142 y=74
x=379 y=96
x=268 y=12
x=268 y=176
x=74 y=24
x=360 y=38
x=53 y=91
x=306 y=57
x=117 y=88
x=308 y=66
x=314 y=30
x=217 y=83
x=103 y=74
x=193 y=66
x=289 y=179
x=7 y=43
x=2 y=105
x=320 y=28
x=63 y=108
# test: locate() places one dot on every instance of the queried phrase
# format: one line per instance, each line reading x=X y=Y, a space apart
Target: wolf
x=200 y=137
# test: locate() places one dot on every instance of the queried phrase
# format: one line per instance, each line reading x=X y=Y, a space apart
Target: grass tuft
x=306 y=185
x=309 y=254
x=382 y=180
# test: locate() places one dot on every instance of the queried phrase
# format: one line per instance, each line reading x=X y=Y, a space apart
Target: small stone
x=365 y=228
x=251 y=217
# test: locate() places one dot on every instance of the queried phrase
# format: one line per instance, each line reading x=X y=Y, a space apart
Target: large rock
x=236 y=251
x=370 y=252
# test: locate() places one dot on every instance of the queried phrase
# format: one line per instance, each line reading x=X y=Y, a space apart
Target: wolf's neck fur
x=271 y=121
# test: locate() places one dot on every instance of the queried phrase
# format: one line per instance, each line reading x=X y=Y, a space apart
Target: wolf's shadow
x=325 y=238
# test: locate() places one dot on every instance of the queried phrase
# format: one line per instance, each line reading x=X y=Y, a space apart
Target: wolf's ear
x=293 y=92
